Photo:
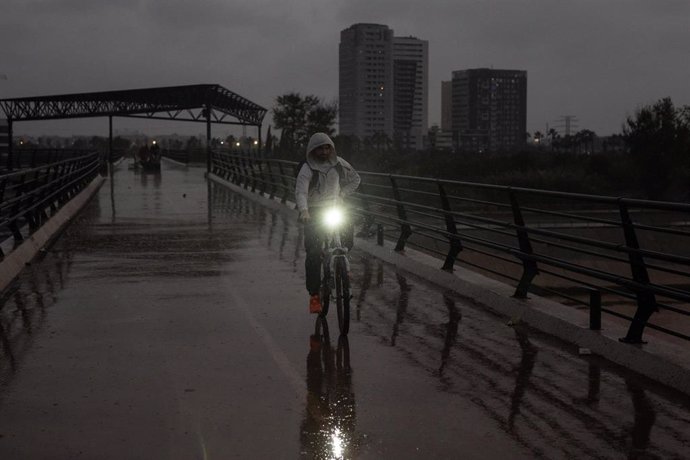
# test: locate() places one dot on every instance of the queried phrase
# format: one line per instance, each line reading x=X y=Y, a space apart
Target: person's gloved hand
x=304 y=216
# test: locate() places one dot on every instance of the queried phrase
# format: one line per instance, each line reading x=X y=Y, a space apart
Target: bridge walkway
x=170 y=321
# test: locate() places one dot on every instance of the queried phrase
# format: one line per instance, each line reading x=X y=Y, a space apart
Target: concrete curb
x=664 y=362
x=14 y=262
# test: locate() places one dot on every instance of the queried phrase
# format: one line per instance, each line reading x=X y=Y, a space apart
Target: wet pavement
x=162 y=325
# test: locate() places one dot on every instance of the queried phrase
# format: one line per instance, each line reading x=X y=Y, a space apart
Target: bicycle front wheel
x=342 y=289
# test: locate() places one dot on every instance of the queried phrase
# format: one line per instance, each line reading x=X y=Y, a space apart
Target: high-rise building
x=410 y=91
x=366 y=80
x=446 y=106
x=489 y=109
x=384 y=84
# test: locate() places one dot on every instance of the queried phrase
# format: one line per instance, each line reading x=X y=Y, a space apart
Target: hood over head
x=317 y=140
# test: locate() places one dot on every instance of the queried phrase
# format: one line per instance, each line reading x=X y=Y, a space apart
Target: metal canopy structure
x=200 y=103
x=185 y=103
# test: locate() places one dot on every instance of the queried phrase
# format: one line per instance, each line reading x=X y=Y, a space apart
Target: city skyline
x=598 y=62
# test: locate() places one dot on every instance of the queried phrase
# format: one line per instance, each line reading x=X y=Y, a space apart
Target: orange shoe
x=315 y=304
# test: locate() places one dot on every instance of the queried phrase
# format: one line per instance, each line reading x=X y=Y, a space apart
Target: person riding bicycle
x=323 y=180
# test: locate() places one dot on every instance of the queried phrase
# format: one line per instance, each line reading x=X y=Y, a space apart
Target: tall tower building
x=410 y=91
x=366 y=80
x=446 y=106
x=489 y=109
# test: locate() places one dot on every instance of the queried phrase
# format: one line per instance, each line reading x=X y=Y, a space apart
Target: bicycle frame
x=335 y=282
x=333 y=250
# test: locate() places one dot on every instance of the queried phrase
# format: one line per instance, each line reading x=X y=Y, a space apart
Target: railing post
x=10 y=145
x=63 y=174
x=228 y=167
x=245 y=172
x=405 y=229
x=379 y=234
x=207 y=113
x=19 y=198
x=455 y=242
x=274 y=186
x=252 y=168
x=529 y=266
x=646 y=300
x=3 y=182
x=43 y=183
x=212 y=168
x=110 y=142
x=295 y=172
x=234 y=170
x=262 y=178
x=218 y=165
x=32 y=197
x=284 y=198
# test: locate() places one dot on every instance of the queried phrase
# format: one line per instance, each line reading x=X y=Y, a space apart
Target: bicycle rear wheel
x=342 y=295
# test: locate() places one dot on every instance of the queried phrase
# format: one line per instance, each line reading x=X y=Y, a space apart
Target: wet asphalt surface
x=160 y=326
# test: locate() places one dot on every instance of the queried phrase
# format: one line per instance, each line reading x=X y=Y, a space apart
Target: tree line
x=650 y=158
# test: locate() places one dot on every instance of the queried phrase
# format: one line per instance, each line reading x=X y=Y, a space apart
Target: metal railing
x=28 y=195
x=31 y=157
x=624 y=257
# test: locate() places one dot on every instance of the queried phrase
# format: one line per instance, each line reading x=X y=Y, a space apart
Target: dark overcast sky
x=598 y=60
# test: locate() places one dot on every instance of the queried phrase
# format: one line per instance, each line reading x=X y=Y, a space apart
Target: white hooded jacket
x=329 y=186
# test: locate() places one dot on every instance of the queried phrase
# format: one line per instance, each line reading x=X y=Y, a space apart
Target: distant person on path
x=155 y=152
x=323 y=179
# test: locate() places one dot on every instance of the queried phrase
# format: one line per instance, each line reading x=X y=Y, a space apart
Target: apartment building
x=410 y=91
x=366 y=80
x=489 y=109
x=383 y=86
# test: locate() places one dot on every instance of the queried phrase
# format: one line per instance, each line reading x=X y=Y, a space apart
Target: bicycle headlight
x=333 y=217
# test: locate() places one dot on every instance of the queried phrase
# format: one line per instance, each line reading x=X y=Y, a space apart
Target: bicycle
x=335 y=280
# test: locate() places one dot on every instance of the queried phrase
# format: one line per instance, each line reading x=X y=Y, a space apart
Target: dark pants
x=314 y=235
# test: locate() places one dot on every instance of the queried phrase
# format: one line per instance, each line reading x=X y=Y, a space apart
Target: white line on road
x=284 y=364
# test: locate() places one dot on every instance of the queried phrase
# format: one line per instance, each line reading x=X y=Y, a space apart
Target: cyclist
x=323 y=179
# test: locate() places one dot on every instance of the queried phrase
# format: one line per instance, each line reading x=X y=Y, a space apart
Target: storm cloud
x=596 y=60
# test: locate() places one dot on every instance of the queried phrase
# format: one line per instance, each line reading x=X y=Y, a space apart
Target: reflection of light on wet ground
x=338 y=443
